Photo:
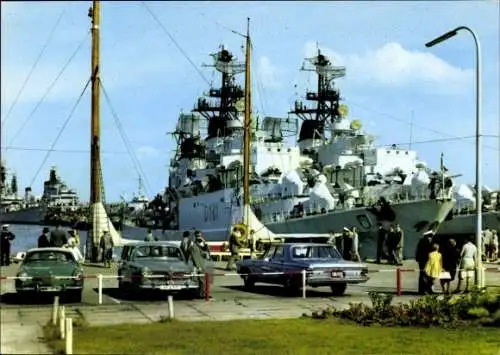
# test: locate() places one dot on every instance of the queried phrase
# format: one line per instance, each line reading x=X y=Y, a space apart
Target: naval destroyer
x=333 y=176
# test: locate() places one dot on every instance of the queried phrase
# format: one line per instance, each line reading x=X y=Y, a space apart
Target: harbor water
x=27 y=236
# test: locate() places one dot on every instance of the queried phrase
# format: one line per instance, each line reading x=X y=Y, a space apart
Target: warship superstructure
x=33 y=210
x=331 y=178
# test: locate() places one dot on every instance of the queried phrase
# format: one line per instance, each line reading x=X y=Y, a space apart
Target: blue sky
x=390 y=73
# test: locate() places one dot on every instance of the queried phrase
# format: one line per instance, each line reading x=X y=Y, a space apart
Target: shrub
x=477 y=307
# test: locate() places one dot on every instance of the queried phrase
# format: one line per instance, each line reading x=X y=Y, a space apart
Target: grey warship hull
x=465 y=224
x=31 y=215
x=414 y=217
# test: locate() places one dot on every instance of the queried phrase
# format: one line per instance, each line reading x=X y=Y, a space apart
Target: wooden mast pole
x=95 y=181
x=247 y=132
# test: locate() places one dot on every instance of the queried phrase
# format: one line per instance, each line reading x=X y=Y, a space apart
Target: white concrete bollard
x=304 y=273
x=69 y=335
x=170 y=307
x=99 y=287
x=55 y=310
x=62 y=317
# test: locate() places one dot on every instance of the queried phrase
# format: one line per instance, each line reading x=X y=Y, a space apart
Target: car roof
x=154 y=243
x=304 y=244
x=63 y=250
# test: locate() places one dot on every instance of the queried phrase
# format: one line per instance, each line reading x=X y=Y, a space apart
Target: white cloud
x=394 y=66
x=268 y=73
x=147 y=152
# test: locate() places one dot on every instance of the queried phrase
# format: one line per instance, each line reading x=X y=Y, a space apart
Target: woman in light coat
x=73 y=245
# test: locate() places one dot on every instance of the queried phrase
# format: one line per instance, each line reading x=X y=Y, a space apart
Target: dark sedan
x=159 y=266
x=284 y=263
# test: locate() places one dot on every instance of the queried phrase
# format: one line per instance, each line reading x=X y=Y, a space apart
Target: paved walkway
x=21 y=325
x=21 y=336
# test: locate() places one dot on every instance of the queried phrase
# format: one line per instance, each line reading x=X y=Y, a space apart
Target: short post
x=62 y=325
x=69 y=335
x=304 y=272
x=170 y=307
x=398 y=281
x=55 y=310
x=99 y=287
x=207 y=286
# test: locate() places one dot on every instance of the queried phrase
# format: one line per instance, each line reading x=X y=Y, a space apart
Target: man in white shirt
x=467 y=264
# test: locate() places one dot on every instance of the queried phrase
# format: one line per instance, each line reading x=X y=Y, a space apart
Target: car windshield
x=49 y=256
x=160 y=251
x=315 y=252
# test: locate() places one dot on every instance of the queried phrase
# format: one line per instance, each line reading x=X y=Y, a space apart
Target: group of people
x=390 y=244
x=59 y=239
x=442 y=262
x=55 y=239
x=392 y=241
x=347 y=243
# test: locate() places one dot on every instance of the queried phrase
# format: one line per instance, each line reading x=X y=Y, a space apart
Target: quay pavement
x=21 y=323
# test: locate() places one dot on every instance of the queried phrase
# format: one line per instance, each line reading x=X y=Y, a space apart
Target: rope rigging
x=49 y=89
x=82 y=151
x=216 y=22
x=51 y=149
x=175 y=43
x=126 y=141
x=418 y=126
x=28 y=77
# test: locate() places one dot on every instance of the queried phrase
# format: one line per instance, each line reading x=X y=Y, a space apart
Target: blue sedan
x=284 y=263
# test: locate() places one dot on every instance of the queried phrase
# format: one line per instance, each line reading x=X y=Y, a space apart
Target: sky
x=392 y=79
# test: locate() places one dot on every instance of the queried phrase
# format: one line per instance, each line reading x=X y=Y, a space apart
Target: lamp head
x=441 y=38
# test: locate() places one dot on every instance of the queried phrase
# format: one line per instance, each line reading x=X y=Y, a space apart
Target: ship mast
x=95 y=181
x=247 y=132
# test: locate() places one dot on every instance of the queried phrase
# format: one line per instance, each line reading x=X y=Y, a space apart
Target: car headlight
x=145 y=272
x=310 y=271
x=78 y=275
x=23 y=276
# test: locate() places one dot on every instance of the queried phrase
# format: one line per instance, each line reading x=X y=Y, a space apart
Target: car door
x=276 y=264
x=278 y=259
x=124 y=267
x=264 y=265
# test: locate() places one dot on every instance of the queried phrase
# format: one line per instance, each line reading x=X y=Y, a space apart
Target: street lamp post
x=479 y=197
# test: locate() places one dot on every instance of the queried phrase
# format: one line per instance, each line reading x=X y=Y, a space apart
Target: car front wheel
x=338 y=289
x=248 y=281
x=75 y=296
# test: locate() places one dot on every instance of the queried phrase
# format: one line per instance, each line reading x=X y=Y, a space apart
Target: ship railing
x=281 y=216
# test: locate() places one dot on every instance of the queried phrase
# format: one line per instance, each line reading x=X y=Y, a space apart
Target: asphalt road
x=224 y=288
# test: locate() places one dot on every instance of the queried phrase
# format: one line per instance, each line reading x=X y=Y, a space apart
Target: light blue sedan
x=284 y=263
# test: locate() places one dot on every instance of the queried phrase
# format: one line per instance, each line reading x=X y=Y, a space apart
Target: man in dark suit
x=381 y=241
x=6 y=238
x=43 y=239
x=424 y=247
